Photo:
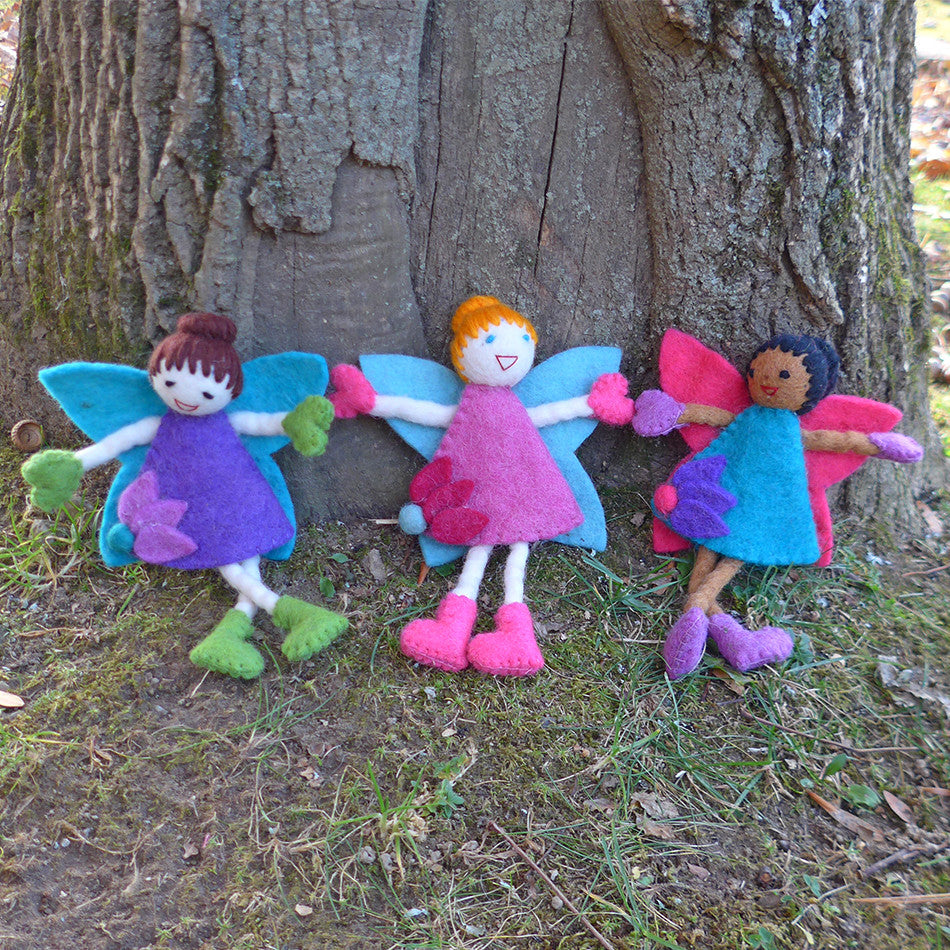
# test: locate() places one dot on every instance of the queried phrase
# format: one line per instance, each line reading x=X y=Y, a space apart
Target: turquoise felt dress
x=772 y=521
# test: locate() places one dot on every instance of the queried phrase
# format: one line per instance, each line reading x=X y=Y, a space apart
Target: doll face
x=191 y=394
x=498 y=356
x=779 y=380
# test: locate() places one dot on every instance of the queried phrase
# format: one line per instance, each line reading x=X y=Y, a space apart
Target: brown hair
x=205 y=339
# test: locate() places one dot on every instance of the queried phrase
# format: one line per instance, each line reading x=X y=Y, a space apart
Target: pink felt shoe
x=442 y=642
x=747 y=649
x=511 y=648
x=685 y=643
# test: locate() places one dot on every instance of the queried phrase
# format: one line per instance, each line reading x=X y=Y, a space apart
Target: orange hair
x=477 y=314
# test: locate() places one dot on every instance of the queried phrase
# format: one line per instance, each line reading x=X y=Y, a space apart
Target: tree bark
x=338 y=175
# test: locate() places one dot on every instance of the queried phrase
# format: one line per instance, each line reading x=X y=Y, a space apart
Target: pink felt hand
x=354 y=394
x=656 y=413
x=895 y=447
x=609 y=400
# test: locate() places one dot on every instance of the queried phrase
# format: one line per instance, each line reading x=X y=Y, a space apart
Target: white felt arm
x=563 y=410
x=112 y=446
x=245 y=422
x=413 y=410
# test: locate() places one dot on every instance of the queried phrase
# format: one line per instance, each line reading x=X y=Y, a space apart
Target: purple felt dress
x=517 y=484
x=200 y=499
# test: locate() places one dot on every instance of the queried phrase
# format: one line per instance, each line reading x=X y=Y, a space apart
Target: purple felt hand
x=354 y=394
x=609 y=400
x=895 y=447
x=656 y=413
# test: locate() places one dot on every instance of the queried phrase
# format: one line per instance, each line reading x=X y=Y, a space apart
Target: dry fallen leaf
x=655 y=829
x=728 y=680
x=10 y=700
x=655 y=806
x=844 y=818
x=303 y=910
x=898 y=807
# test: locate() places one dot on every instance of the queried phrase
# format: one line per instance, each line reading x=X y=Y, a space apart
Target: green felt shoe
x=226 y=650
x=310 y=627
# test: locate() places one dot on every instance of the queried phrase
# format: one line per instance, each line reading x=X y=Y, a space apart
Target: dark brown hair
x=204 y=338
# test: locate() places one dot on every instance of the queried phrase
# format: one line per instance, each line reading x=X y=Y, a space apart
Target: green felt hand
x=307 y=425
x=55 y=475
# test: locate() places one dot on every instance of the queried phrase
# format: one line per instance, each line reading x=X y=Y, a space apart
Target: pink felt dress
x=518 y=486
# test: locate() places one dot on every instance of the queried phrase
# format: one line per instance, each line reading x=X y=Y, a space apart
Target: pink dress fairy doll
x=492 y=480
x=197 y=488
x=754 y=491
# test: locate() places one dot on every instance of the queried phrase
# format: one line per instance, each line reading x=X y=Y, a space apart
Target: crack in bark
x=557 y=118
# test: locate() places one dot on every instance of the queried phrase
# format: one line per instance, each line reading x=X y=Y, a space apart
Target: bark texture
x=337 y=175
x=775 y=145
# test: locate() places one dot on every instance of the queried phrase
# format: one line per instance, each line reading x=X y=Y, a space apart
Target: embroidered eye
x=526 y=337
x=169 y=382
x=490 y=338
x=785 y=374
x=208 y=395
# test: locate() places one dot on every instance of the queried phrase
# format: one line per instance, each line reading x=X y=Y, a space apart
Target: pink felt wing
x=843 y=414
x=691 y=372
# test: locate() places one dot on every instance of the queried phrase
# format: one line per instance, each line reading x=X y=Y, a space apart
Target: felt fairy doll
x=198 y=488
x=493 y=480
x=754 y=492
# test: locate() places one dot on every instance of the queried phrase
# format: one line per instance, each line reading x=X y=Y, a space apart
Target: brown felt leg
x=703 y=565
x=710 y=585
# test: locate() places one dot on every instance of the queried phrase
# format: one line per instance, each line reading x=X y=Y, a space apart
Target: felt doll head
x=491 y=343
x=196 y=370
x=792 y=372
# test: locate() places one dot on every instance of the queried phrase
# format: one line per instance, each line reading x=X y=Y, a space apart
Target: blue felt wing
x=563 y=376
x=278 y=383
x=568 y=374
x=101 y=398
x=397 y=375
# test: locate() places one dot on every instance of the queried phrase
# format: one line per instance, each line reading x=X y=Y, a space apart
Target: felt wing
x=842 y=413
x=571 y=373
x=101 y=398
x=278 y=383
x=691 y=372
x=398 y=375
x=566 y=375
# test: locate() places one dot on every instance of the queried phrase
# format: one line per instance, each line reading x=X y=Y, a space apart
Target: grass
x=353 y=800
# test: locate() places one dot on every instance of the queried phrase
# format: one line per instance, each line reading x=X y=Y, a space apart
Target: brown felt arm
x=697 y=413
x=828 y=440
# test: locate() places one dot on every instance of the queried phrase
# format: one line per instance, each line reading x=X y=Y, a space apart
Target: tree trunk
x=338 y=175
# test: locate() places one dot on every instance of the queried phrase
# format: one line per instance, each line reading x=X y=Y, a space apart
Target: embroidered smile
x=184 y=406
x=506 y=362
x=770 y=390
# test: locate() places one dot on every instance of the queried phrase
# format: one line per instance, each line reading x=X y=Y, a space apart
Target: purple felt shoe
x=895 y=447
x=747 y=649
x=685 y=643
x=656 y=413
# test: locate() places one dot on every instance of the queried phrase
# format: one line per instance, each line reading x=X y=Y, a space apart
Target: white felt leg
x=514 y=573
x=245 y=578
x=247 y=606
x=473 y=571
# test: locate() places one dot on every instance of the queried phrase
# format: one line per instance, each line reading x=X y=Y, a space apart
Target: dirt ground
x=357 y=800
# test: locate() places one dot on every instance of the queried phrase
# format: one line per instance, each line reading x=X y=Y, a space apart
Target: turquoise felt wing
x=568 y=374
x=101 y=398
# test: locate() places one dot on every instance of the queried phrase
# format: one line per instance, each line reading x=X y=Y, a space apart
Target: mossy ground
x=355 y=800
